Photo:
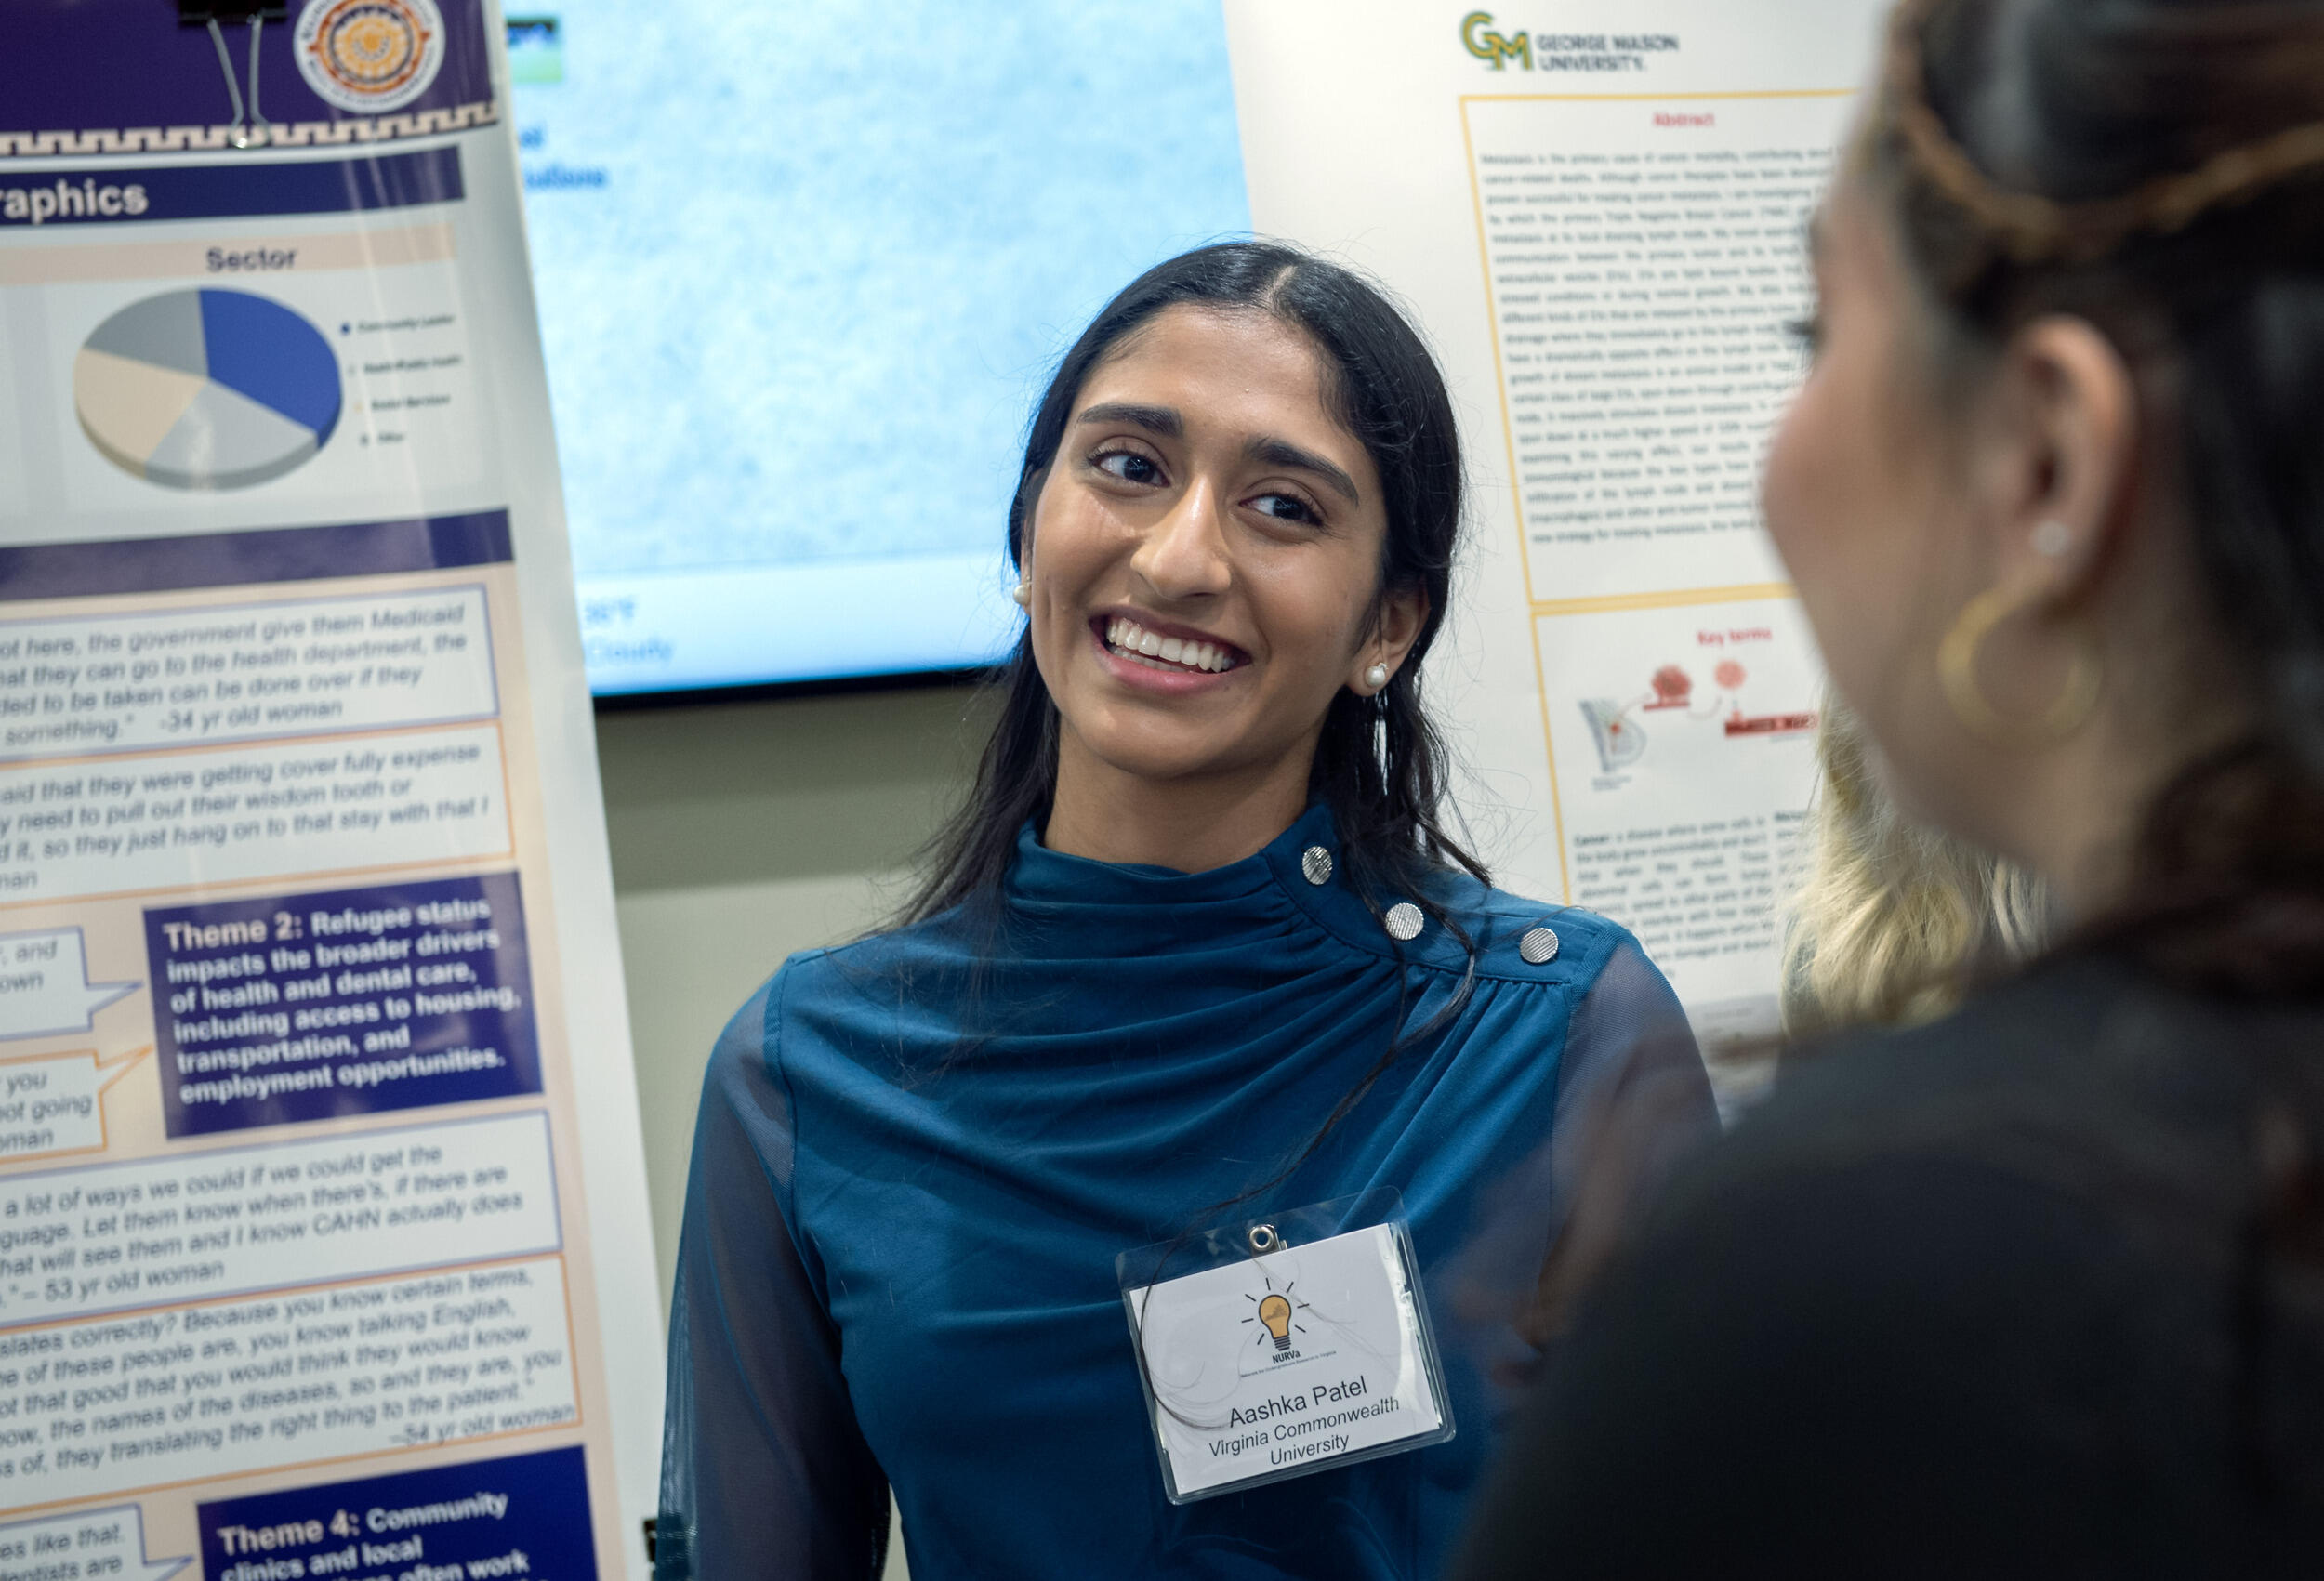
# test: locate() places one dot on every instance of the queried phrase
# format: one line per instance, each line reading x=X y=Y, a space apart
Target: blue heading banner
x=218 y=192
x=284 y=1009
x=522 y=1516
x=232 y=560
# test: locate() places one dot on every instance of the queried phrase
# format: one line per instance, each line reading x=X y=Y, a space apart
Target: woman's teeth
x=1130 y=641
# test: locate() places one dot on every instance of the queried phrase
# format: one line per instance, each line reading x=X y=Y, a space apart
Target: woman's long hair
x=2155 y=167
x=1380 y=764
x=1896 y=920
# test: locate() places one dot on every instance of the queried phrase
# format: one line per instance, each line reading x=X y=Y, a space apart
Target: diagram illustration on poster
x=1621 y=736
x=207 y=390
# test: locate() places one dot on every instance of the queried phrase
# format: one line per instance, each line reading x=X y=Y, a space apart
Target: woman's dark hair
x=1379 y=766
x=2157 y=168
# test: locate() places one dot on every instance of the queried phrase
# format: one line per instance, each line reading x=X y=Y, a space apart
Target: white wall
x=742 y=832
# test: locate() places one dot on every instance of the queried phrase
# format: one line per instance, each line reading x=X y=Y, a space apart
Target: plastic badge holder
x=1284 y=1344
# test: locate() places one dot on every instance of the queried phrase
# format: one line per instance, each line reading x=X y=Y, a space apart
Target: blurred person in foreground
x=2036 y=1288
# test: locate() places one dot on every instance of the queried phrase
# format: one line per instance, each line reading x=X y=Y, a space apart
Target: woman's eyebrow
x=1282 y=453
x=1159 y=420
x=1166 y=423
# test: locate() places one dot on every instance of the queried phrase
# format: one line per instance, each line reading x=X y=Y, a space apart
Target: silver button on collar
x=1539 y=947
x=1404 y=921
x=1315 y=862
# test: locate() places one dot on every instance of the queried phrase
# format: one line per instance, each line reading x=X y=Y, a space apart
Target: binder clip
x=252 y=129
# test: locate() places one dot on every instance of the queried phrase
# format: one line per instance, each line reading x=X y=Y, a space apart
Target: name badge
x=1288 y=1358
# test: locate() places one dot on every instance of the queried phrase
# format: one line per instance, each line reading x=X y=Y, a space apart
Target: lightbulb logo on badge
x=1277 y=1318
x=370 y=55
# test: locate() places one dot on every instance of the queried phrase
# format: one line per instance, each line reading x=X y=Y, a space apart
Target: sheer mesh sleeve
x=1633 y=1100
x=764 y=1473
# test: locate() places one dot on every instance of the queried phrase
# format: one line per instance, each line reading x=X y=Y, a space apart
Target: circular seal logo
x=370 y=55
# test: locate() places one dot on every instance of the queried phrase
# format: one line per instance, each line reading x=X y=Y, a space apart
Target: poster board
x=1595 y=213
x=324 y=1246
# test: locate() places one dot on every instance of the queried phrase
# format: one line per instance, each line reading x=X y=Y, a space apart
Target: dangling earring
x=1376 y=677
x=1956 y=673
x=1022 y=593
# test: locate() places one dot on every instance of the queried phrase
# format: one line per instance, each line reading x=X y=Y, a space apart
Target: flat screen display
x=802 y=273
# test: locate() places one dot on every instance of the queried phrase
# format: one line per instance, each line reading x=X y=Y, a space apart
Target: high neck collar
x=1041 y=876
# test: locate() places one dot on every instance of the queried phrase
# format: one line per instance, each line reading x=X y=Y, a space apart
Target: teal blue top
x=919 y=1153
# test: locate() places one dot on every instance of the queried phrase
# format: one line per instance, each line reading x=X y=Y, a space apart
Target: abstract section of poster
x=1646 y=263
x=314 y=1258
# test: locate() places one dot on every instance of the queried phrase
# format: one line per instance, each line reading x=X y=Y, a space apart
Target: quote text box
x=44 y=985
x=243 y=672
x=68 y=831
x=195 y=1226
x=54 y=1104
x=84 y=1543
x=224 y=1388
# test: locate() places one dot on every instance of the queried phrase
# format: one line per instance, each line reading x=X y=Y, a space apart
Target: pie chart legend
x=206 y=389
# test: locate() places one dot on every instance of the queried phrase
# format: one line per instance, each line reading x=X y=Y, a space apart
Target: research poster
x=322 y=1240
x=1596 y=212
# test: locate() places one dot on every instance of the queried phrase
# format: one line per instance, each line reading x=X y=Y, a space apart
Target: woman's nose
x=1184 y=555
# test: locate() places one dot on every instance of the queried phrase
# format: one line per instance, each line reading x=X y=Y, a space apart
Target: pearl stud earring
x=2051 y=539
x=1376 y=677
x=1022 y=593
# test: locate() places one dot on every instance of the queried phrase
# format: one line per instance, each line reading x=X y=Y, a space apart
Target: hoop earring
x=1956 y=673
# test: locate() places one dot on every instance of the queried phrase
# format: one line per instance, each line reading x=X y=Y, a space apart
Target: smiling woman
x=1244 y=436
x=1173 y=521
x=1197 y=948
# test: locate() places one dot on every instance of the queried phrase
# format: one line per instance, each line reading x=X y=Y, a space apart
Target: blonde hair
x=1893 y=920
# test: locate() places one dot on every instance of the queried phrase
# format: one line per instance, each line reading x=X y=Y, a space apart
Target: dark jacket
x=2012 y=1294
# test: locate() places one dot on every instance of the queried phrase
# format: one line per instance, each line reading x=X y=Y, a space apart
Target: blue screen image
x=802 y=271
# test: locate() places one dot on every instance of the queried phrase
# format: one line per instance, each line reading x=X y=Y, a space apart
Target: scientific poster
x=323 y=1247
x=1597 y=215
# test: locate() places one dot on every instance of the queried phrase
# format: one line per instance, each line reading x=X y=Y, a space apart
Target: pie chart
x=206 y=389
